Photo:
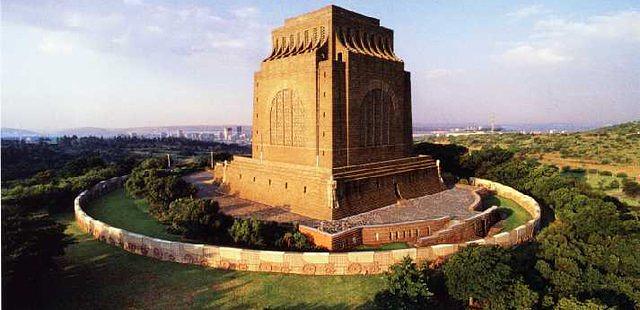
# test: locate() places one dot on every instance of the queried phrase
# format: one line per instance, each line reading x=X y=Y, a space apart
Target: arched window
x=286 y=119
x=376 y=114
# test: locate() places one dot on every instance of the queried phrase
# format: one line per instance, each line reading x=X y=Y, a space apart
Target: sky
x=134 y=63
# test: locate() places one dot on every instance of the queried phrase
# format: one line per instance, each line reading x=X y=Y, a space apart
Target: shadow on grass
x=93 y=274
x=504 y=212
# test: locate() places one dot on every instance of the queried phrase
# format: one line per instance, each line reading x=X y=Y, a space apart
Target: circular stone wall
x=312 y=263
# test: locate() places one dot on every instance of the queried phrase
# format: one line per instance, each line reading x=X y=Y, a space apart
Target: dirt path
x=203 y=180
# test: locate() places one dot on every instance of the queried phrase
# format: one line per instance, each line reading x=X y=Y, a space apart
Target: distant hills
x=622 y=129
x=111 y=132
x=16 y=133
x=630 y=127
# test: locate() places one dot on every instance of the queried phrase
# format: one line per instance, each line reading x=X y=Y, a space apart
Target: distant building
x=228 y=132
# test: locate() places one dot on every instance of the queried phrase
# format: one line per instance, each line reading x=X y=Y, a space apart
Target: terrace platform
x=406 y=221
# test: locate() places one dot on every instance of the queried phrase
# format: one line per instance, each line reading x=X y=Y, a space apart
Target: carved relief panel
x=286 y=119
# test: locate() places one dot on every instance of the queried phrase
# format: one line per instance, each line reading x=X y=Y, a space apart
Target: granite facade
x=331 y=121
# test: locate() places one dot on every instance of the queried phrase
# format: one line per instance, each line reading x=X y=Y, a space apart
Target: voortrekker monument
x=332 y=158
x=331 y=121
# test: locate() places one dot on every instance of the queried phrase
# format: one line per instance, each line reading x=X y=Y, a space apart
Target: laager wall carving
x=311 y=263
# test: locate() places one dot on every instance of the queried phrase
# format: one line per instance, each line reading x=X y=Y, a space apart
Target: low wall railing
x=310 y=263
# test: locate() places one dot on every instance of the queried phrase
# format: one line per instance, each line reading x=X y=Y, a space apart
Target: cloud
x=526 y=12
x=138 y=29
x=555 y=41
x=529 y=55
x=154 y=29
x=55 y=44
x=230 y=43
x=245 y=12
x=622 y=25
x=441 y=73
x=132 y=2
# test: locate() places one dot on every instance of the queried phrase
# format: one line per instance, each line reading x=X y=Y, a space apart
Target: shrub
x=566 y=169
x=247 y=232
x=197 y=219
x=406 y=287
x=622 y=175
x=578 y=170
x=294 y=241
x=631 y=188
x=605 y=173
x=614 y=184
x=593 y=171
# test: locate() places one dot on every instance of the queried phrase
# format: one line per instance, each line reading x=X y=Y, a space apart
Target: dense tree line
x=588 y=255
x=39 y=179
x=22 y=160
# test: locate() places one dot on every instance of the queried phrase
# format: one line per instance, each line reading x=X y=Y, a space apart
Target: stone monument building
x=332 y=132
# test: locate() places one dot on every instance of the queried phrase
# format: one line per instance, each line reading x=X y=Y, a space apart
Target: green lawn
x=117 y=210
x=97 y=275
x=516 y=215
x=384 y=247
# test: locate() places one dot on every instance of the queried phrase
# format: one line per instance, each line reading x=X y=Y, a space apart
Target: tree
x=30 y=241
x=478 y=162
x=572 y=304
x=590 y=252
x=448 y=154
x=515 y=296
x=82 y=165
x=406 y=287
x=197 y=218
x=483 y=274
x=160 y=192
x=247 y=232
x=148 y=170
x=514 y=173
x=158 y=186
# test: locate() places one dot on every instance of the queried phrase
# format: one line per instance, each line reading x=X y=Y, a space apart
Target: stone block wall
x=329 y=194
x=304 y=190
x=311 y=263
x=374 y=234
x=461 y=231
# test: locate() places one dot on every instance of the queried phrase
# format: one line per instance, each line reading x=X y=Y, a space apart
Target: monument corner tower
x=332 y=129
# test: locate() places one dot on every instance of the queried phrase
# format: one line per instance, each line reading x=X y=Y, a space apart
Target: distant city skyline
x=141 y=63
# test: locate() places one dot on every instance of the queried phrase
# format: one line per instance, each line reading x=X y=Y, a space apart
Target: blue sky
x=154 y=63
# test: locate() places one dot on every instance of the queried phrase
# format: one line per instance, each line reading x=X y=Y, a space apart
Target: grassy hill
x=613 y=148
x=602 y=157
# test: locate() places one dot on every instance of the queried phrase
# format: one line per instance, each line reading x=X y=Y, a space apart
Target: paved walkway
x=453 y=202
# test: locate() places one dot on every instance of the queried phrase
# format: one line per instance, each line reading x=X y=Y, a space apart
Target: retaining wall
x=311 y=263
x=409 y=231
